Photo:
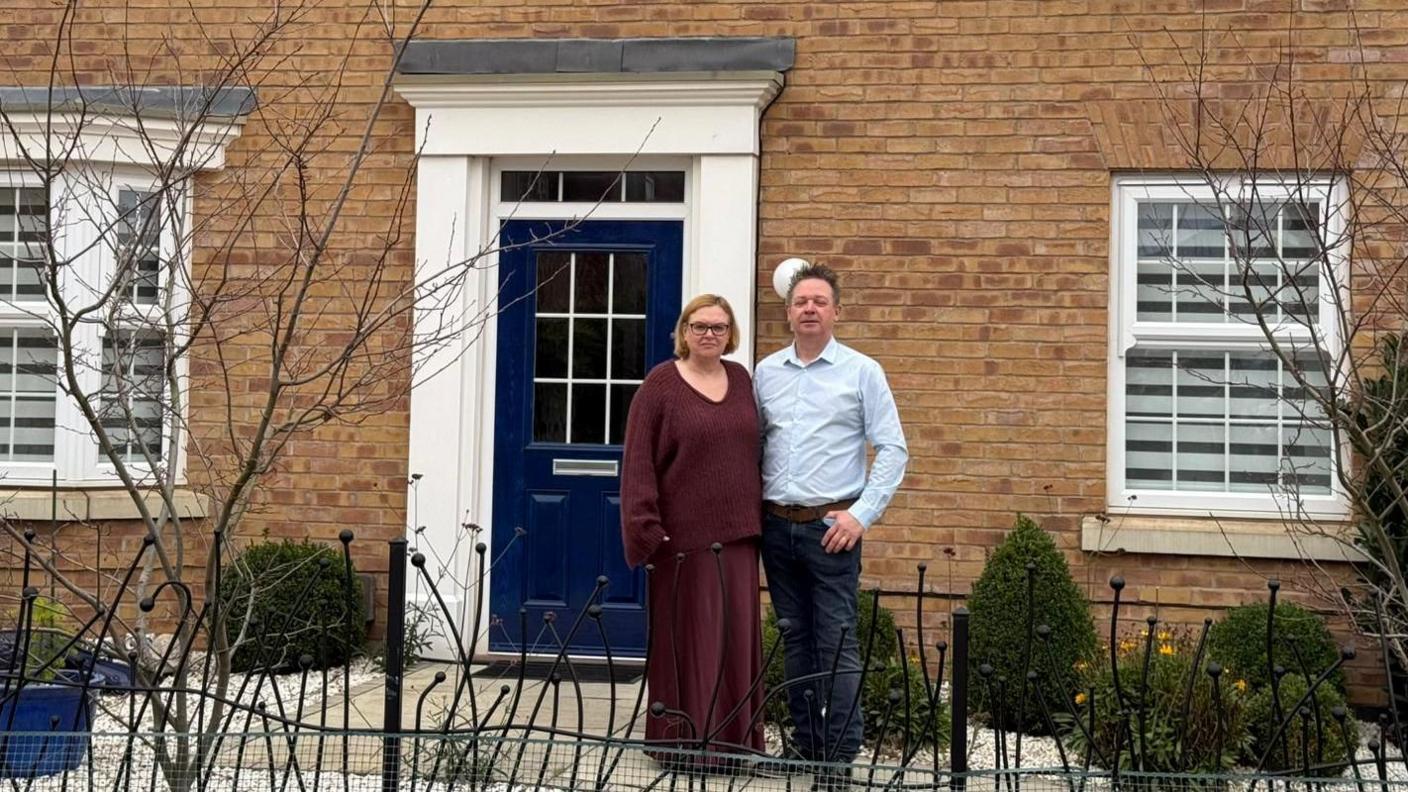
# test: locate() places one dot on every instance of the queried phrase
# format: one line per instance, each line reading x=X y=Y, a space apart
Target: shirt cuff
x=863 y=514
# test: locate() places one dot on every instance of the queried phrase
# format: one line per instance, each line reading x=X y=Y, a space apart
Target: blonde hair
x=704 y=301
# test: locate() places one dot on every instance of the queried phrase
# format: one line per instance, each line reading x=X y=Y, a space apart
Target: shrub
x=1324 y=751
x=999 y=624
x=887 y=671
x=1147 y=723
x=1302 y=644
x=299 y=595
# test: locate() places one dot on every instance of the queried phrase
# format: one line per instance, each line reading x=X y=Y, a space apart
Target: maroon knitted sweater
x=691 y=467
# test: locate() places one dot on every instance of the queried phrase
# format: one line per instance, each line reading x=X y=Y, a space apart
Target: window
x=1204 y=416
x=112 y=233
x=592 y=186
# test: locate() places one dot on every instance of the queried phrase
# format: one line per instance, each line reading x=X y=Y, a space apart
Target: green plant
x=1155 y=725
x=48 y=640
x=886 y=672
x=1005 y=612
x=1302 y=644
x=301 y=602
x=420 y=632
x=1312 y=739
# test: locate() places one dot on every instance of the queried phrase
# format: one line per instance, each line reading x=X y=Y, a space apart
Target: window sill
x=1206 y=536
x=92 y=504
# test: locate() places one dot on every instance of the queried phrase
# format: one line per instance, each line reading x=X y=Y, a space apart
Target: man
x=820 y=402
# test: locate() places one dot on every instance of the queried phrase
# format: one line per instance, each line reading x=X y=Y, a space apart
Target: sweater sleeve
x=641 y=529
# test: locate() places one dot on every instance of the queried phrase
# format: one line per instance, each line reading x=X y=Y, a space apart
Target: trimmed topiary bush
x=1303 y=643
x=1320 y=747
x=301 y=603
x=887 y=672
x=1000 y=622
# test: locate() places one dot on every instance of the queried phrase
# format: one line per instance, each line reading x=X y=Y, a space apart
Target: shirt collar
x=828 y=353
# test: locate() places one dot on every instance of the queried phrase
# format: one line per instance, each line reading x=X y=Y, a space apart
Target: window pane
x=131 y=409
x=1306 y=467
x=1154 y=291
x=589 y=349
x=517 y=186
x=1254 y=231
x=1253 y=459
x=1252 y=385
x=551 y=358
x=593 y=281
x=628 y=284
x=628 y=349
x=588 y=413
x=1201 y=385
x=1149 y=384
x=1200 y=233
x=549 y=412
x=554 y=282
x=1200 y=457
x=22 y=217
x=1199 y=291
x=1300 y=231
x=655 y=186
x=28 y=367
x=1302 y=385
x=591 y=186
x=139 y=244
x=621 y=396
x=1148 y=455
x=1155 y=231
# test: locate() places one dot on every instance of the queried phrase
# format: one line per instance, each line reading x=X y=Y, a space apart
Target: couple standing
x=691 y=489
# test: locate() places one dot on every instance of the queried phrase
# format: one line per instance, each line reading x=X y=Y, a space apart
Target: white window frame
x=78 y=460
x=1127 y=333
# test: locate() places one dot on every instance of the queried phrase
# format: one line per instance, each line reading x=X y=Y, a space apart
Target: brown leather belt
x=805 y=514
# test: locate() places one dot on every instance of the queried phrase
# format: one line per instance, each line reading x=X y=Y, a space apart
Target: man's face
x=812 y=311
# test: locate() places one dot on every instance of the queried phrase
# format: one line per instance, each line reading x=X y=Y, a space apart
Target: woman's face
x=706 y=332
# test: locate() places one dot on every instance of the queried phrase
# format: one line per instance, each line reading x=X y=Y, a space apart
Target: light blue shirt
x=816 y=420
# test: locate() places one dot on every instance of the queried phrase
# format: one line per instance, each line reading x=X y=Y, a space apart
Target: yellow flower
x=1241 y=685
x=1081 y=665
x=1164 y=635
x=1165 y=649
x=1080 y=698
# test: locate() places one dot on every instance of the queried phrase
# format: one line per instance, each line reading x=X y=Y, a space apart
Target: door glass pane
x=655 y=186
x=554 y=282
x=551 y=359
x=628 y=284
x=517 y=186
x=588 y=413
x=593 y=272
x=589 y=349
x=627 y=349
x=621 y=396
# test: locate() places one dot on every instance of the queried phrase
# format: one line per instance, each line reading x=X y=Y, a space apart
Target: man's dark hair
x=817 y=272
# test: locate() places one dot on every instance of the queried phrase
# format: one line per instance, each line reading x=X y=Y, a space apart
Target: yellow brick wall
x=951 y=159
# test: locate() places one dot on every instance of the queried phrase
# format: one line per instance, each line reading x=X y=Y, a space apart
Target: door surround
x=469 y=126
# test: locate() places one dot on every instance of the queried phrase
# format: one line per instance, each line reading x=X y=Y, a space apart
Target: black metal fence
x=149 y=717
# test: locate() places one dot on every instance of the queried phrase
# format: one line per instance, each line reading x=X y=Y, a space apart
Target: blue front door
x=584 y=315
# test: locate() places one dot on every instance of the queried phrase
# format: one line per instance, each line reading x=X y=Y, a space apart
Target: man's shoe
x=789 y=762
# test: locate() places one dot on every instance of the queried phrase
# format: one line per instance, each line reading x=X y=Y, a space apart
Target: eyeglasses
x=700 y=328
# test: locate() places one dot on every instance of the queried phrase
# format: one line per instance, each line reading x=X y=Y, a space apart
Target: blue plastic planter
x=32 y=743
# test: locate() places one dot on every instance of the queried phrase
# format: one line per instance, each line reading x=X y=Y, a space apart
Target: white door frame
x=467 y=129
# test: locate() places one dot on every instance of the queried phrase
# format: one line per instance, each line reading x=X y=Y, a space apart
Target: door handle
x=608 y=468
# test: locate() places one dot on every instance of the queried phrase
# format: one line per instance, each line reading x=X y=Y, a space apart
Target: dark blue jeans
x=816 y=592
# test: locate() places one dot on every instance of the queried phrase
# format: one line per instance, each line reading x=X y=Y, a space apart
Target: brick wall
x=951 y=159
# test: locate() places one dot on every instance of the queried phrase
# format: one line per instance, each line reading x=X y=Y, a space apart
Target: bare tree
x=174 y=326
x=1291 y=231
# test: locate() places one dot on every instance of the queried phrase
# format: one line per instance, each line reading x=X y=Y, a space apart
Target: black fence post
x=958 y=743
x=395 y=641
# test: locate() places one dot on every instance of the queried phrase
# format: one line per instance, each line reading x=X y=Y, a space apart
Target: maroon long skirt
x=706 y=650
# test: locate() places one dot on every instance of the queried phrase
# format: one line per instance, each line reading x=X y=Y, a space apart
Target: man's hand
x=843 y=534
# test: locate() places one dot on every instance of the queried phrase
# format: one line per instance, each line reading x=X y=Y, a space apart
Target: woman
x=690 y=483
